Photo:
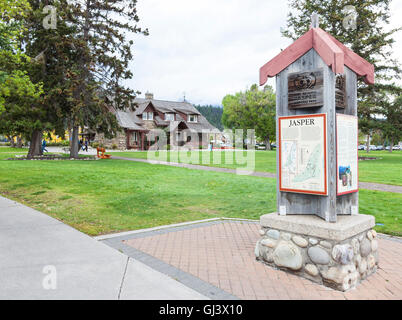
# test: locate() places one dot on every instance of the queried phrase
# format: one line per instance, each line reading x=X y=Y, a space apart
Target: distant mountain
x=213 y=114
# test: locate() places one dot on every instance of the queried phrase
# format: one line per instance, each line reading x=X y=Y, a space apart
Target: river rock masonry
x=336 y=255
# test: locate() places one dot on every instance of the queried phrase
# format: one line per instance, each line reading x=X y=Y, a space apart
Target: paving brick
x=223 y=255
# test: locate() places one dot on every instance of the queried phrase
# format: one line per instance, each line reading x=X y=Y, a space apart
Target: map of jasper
x=302 y=154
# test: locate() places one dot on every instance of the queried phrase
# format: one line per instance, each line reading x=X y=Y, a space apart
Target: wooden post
x=295 y=203
x=345 y=203
x=128 y=132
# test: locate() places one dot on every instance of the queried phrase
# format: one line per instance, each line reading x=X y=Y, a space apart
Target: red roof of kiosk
x=335 y=54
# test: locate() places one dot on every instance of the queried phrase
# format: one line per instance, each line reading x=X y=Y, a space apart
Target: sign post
x=317 y=231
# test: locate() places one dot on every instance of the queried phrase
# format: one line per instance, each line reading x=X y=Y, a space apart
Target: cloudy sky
x=207 y=49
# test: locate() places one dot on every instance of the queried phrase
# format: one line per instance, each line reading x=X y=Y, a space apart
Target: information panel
x=302 y=154
x=346 y=155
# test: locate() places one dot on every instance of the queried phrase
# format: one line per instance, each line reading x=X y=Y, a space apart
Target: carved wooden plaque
x=306 y=89
x=340 y=91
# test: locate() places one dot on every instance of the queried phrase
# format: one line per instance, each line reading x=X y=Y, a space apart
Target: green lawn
x=264 y=160
x=111 y=195
x=107 y=196
x=386 y=169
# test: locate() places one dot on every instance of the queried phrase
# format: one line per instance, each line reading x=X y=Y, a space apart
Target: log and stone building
x=183 y=124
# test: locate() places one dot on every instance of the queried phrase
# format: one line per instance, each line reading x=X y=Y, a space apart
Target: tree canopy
x=252 y=109
x=14 y=80
x=72 y=74
x=371 y=38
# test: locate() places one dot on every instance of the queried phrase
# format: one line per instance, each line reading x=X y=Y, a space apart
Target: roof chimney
x=149 y=96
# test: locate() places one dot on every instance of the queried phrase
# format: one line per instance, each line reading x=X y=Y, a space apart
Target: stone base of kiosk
x=338 y=255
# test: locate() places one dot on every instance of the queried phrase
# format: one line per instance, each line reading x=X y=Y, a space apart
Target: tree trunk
x=12 y=144
x=267 y=144
x=74 y=144
x=368 y=143
x=35 y=148
x=391 y=145
x=19 y=142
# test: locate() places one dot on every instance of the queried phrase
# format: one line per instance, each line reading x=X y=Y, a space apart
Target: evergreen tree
x=103 y=55
x=18 y=93
x=13 y=61
x=392 y=126
x=370 y=39
x=213 y=114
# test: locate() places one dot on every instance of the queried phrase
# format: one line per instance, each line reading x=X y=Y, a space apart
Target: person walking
x=86 y=145
x=44 y=146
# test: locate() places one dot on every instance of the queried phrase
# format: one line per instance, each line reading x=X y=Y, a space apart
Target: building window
x=169 y=116
x=192 y=118
x=134 y=136
x=148 y=116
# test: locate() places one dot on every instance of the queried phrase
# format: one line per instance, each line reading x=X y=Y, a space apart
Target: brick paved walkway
x=223 y=255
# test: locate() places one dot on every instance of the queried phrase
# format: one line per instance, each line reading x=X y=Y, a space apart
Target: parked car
x=396 y=147
x=273 y=145
x=361 y=147
x=380 y=148
x=372 y=147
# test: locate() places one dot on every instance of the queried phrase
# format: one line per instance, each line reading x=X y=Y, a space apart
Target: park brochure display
x=346 y=155
x=303 y=158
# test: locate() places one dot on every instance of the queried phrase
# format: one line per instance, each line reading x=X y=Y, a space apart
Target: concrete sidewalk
x=33 y=244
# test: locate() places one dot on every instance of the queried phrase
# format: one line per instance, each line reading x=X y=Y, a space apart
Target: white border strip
x=115 y=235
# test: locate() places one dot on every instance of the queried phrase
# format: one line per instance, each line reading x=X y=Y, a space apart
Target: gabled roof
x=335 y=54
x=166 y=106
x=127 y=120
x=132 y=119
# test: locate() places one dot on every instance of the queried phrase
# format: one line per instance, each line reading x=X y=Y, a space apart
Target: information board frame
x=325 y=151
x=355 y=118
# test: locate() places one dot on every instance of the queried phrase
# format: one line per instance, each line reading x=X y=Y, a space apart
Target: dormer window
x=169 y=116
x=148 y=116
x=192 y=118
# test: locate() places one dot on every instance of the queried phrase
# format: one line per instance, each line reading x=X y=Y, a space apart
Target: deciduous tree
x=252 y=109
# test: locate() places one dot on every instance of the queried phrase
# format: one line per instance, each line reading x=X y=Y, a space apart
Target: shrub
x=95 y=145
x=114 y=146
x=168 y=147
x=63 y=143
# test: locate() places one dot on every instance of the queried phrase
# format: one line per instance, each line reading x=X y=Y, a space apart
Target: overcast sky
x=207 y=49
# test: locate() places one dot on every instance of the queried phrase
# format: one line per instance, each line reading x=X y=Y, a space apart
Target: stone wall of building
x=339 y=265
x=119 y=141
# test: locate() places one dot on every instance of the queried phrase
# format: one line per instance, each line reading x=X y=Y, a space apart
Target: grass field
x=107 y=196
x=387 y=169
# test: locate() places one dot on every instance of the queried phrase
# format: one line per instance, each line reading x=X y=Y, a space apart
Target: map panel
x=346 y=155
x=303 y=154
